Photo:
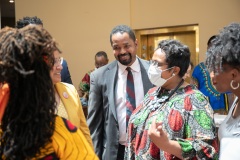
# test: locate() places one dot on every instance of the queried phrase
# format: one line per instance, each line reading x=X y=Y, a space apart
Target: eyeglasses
x=157 y=64
x=58 y=61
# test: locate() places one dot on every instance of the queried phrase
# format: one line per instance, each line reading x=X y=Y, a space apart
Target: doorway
x=148 y=40
x=7 y=14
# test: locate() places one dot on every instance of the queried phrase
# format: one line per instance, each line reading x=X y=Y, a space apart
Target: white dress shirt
x=121 y=95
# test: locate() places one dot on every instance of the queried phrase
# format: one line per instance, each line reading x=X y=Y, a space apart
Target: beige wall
x=82 y=27
x=210 y=15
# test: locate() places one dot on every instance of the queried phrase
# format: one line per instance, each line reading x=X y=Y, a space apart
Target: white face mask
x=155 y=75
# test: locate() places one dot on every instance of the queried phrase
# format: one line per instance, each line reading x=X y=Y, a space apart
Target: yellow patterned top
x=68 y=142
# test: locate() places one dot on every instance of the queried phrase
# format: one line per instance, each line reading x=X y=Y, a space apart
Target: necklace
x=163 y=96
x=167 y=97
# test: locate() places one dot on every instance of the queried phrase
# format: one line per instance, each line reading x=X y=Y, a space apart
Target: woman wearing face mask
x=175 y=120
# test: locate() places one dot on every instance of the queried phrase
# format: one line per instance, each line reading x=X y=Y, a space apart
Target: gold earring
x=231 y=84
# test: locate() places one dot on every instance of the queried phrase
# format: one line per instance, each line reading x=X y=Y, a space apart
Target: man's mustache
x=125 y=54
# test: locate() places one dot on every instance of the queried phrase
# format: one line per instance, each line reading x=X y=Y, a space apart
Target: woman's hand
x=160 y=139
x=157 y=135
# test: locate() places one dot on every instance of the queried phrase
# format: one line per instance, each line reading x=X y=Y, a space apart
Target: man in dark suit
x=65 y=74
x=107 y=97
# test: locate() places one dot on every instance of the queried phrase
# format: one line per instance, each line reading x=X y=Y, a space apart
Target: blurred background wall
x=82 y=27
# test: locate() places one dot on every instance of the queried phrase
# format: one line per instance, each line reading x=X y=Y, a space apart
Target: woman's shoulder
x=190 y=89
x=195 y=98
x=65 y=85
x=191 y=92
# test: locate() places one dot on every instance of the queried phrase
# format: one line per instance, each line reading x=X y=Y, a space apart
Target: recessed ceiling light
x=11 y=1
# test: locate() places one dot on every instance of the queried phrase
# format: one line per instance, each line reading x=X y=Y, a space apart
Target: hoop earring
x=231 y=84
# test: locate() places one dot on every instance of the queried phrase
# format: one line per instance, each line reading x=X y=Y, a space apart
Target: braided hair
x=26 y=58
x=225 y=49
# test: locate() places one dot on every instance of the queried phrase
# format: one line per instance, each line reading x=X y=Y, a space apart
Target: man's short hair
x=28 y=20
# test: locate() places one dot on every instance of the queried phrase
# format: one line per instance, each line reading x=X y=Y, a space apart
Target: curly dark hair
x=177 y=54
x=28 y=20
x=123 y=29
x=225 y=49
x=26 y=58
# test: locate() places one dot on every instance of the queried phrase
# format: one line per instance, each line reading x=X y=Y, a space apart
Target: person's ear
x=236 y=74
x=136 y=43
x=176 y=70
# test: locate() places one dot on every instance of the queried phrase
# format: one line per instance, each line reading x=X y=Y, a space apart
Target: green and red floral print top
x=187 y=118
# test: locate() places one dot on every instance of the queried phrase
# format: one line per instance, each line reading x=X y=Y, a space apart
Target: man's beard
x=125 y=62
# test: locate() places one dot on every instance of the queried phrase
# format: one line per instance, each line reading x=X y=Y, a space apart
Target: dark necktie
x=130 y=98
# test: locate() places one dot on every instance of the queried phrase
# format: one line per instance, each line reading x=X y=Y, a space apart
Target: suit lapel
x=112 y=79
x=144 y=65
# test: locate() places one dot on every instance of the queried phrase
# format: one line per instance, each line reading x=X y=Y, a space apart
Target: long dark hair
x=26 y=58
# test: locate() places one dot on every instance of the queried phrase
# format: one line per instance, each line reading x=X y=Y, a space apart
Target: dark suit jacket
x=102 y=116
x=65 y=74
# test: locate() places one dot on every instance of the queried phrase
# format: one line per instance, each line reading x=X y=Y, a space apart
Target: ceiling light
x=11 y=1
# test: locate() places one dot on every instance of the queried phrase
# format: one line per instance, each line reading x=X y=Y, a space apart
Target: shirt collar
x=135 y=66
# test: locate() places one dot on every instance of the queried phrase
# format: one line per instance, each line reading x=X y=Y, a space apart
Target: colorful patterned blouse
x=187 y=118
